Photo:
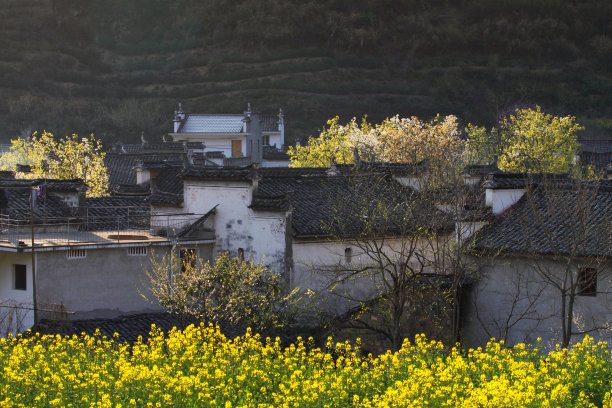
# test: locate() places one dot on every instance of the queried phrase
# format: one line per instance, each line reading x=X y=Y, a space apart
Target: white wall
x=273 y=163
x=510 y=294
x=275 y=139
x=316 y=263
x=500 y=200
x=260 y=234
x=9 y=296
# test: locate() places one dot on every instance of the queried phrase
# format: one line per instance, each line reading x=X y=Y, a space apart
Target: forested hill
x=117 y=68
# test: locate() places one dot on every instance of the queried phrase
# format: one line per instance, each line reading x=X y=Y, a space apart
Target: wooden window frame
x=587 y=281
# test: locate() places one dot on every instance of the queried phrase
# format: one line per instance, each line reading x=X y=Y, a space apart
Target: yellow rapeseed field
x=199 y=367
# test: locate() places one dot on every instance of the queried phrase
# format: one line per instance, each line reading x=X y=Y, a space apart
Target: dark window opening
x=266 y=140
x=188 y=258
x=348 y=255
x=20 y=277
x=587 y=282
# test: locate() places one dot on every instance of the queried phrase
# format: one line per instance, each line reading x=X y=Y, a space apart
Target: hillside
x=119 y=68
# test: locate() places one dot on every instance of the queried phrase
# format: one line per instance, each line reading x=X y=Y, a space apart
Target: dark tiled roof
x=548 y=222
x=48 y=207
x=595 y=146
x=600 y=161
x=270 y=153
x=219 y=173
x=382 y=167
x=269 y=123
x=523 y=180
x=168 y=181
x=215 y=155
x=270 y=203
x=131 y=190
x=128 y=327
x=292 y=172
x=121 y=166
x=16 y=199
x=481 y=169
x=339 y=205
x=112 y=213
x=165 y=199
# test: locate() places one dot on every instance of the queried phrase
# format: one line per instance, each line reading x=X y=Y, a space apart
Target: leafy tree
x=68 y=158
x=528 y=141
x=332 y=146
x=484 y=147
x=411 y=140
x=230 y=292
x=403 y=140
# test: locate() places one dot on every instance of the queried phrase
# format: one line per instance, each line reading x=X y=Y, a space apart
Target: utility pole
x=34 y=302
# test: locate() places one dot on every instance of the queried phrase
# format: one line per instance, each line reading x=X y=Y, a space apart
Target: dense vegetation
x=118 y=68
x=200 y=367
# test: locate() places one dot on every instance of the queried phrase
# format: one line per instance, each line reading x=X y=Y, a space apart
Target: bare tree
x=568 y=230
x=561 y=232
x=401 y=240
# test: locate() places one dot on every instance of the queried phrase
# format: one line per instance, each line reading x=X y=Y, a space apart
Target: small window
x=241 y=254
x=20 y=280
x=587 y=282
x=137 y=251
x=76 y=254
x=188 y=258
x=266 y=140
x=348 y=255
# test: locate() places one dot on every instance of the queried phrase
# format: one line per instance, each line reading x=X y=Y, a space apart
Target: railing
x=90 y=225
x=94 y=225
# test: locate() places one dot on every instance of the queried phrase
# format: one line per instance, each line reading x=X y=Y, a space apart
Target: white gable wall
x=501 y=199
x=261 y=234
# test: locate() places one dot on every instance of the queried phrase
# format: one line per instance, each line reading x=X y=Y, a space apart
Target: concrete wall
x=511 y=302
x=261 y=234
x=106 y=283
x=13 y=320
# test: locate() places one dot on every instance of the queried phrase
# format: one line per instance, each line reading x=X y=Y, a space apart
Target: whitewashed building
x=241 y=139
x=548 y=235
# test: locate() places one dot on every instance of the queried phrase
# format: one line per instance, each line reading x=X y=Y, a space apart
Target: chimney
x=281 y=126
x=143 y=175
x=179 y=117
x=254 y=136
x=255 y=177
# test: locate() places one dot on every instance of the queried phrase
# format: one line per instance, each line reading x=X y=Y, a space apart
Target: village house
x=74 y=257
x=240 y=139
x=546 y=247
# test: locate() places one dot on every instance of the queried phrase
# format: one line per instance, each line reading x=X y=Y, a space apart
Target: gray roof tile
x=544 y=222
x=212 y=124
